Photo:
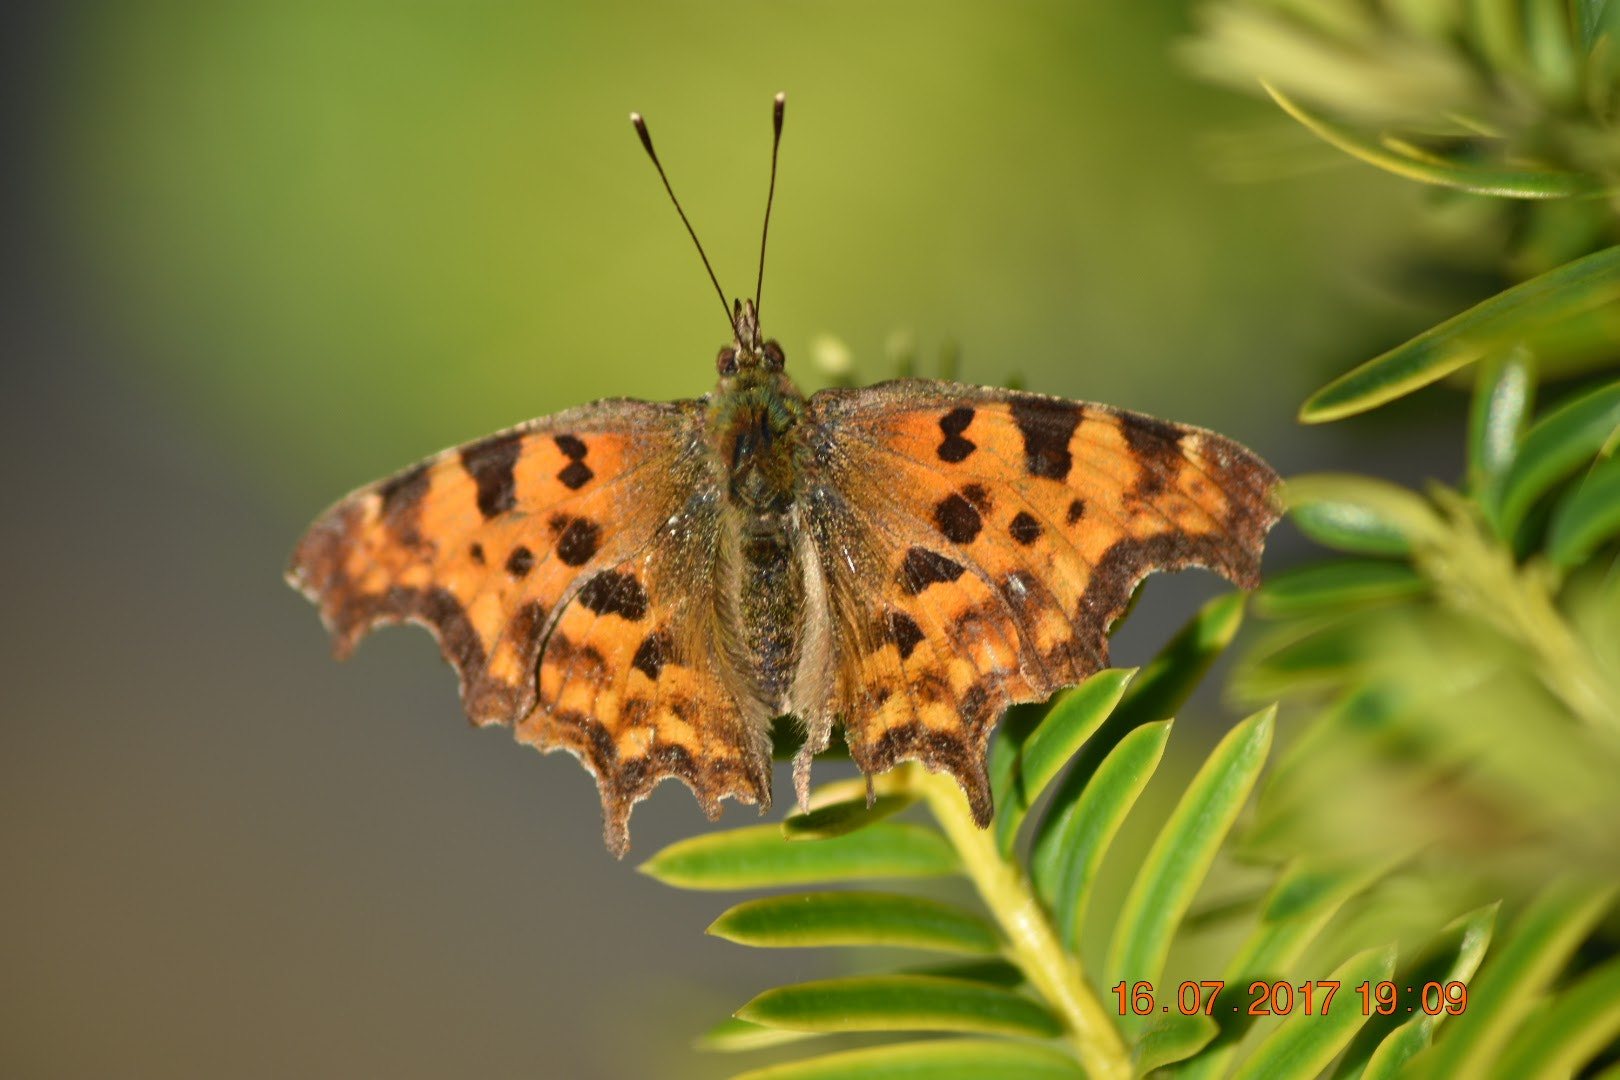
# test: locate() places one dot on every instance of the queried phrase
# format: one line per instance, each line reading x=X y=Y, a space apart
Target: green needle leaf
x=1555 y=447
x=1303 y=899
x=1591 y=20
x=1334 y=586
x=1504 y=320
x=1361 y=515
x=843 y=817
x=1350 y=528
x=1394 y=156
x=1007 y=752
x=758 y=857
x=1074 y=718
x=1322 y=653
x=900 y=1003
x=732 y=1035
x=1100 y=811
x=1496 y=31
x=942 y=1059
x=1304 y=1043
x=1496 y=419
x=1158 y=690
x=1076 y=715
x=1517 y=973
x=1587 y=517
x=1453 y=958
x=856 y=918
x=1576 y=1025
x=1183 y=851
x=1171 y=1039
x=1549 y=36
x=1302 y=902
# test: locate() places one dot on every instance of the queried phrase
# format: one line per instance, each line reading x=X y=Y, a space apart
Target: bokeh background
x=259 y=254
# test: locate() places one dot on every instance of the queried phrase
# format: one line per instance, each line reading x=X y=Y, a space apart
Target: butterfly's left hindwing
x=565 y=566
x=977 y=545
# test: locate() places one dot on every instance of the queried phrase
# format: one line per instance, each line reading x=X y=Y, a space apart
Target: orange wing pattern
x=978 y=544
x=581 y=546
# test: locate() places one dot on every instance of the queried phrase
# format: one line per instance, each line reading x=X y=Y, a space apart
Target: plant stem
x=1032 y=943
x=1476 y=574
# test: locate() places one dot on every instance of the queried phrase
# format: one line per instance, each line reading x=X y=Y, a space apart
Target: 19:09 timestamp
x=1281 y=998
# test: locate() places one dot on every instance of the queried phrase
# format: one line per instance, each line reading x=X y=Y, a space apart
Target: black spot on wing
x=520 y=562
x=652 y=654
x=525 y=627
x=490 y=463
x=1149 y=435
x=400 y=498
x=1077 y=510
x=1047 y=427
x=579 y=540
x=903 y=630
x=477 y=552
x=1024 y=528
x=400 y=493
x=576 y=474
x=1155 y=446
x=954 y=447
x=614 y=592
x=980 y=498
x=923 y=568
x=956 y=519
x=582 y=661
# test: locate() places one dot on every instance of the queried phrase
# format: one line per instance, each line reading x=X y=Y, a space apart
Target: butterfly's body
x=754 y=425
x=646 y=585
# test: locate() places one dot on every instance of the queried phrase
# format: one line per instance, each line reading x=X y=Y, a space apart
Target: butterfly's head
x=747 y=352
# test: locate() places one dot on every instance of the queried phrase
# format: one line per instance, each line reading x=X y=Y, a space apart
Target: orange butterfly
x=646 y=585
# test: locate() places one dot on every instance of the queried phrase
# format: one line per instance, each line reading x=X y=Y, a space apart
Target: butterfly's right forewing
x=566 y=567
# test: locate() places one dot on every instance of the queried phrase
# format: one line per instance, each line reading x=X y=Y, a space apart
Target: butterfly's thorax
x=755 y=427
x=755 y=424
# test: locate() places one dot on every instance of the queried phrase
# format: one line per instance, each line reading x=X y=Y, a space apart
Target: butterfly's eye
x=774 y=360
x=726 y=362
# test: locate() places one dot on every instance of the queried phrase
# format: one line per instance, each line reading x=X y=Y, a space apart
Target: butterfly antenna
x=646 y=142
x=770 y=197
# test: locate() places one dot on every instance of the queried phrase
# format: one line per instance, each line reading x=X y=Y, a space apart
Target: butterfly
x=646 y=585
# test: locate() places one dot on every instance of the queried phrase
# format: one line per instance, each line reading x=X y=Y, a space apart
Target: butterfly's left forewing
x=977 y=545
x=566 y=567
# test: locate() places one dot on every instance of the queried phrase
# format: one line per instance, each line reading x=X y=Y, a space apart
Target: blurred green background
x=260 y=254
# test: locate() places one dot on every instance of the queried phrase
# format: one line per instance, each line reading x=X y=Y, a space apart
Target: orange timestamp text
x=1280 y=998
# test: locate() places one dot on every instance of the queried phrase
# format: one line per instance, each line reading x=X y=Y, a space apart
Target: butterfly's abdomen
x=771 y=608
x=755 y=427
